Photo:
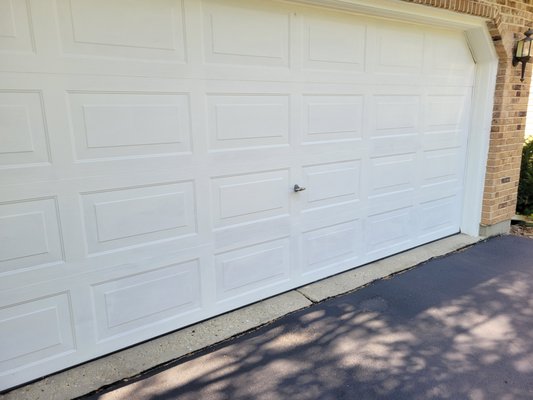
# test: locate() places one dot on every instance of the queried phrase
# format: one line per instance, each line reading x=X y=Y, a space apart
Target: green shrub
x=524 y=203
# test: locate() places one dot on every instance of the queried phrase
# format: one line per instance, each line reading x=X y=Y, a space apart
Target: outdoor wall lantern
x=523 y=52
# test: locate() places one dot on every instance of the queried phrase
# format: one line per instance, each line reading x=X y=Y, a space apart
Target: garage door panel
x=404 y=55
x=115 y=125
x=231 y=163
x=15 y=32
x=439 y=190
x=246 y=234
x=393 y=200
x=330 y=246
x=138 y=301
x=330 y=153
x=254 y=33
x=395 y=115
x=442 y=140
x=331 y=183
x=331 y=118
x=439 y=217
x=445 y=113
x=389 y=232
x=250 y=197
x=394 y=145
x=114 y=29
x=121 y=218
x=448 y=58
x=445 y=122
x=23 y=130
x=22 y=344
x=392 y=174
x=30 y=235
x=442 y=166
x=238 y=121
x=317 y=217
x=249 y=269
x=333 y=45
x=108 y=173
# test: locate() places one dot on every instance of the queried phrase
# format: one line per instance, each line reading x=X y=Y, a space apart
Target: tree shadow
x=459 y=327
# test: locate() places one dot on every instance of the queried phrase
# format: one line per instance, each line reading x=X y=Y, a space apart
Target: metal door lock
x=298 y=188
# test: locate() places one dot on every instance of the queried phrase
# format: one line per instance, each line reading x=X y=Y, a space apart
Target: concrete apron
x=135 y=360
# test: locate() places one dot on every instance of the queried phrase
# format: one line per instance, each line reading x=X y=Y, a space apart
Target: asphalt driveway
x=457 y=327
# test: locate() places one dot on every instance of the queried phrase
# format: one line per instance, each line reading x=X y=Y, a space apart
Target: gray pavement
x=456 y=327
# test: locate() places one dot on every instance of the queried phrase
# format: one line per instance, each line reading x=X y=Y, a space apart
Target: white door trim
x=483 y=52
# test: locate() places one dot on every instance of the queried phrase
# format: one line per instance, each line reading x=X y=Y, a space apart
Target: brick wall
x=508 y=20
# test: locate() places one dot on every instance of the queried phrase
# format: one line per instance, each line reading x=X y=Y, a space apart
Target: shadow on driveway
x=458 y=327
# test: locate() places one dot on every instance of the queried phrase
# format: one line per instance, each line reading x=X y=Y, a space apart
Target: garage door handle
x=298 y=188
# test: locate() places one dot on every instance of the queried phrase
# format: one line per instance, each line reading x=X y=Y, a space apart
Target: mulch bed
x=522 y=230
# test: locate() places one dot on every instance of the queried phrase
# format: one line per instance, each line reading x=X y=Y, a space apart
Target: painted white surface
x=529 y=119
x=146 y=171
x=161 y=293
x=118 y=124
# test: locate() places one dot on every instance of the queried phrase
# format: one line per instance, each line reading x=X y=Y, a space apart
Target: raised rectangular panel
x=243 y=121
x=331 y=214
x=439 y=214
x=332 y=118
x=253 y=232
x=121 y=125
x=7 y=19
x=141 y=300
x=156 y=213
x=252 y=268
x=439 y=190
x=386 y=232
x=381 y=146
x=19 y=244
x=123 y=23
x=35 y=331
x=29 y=234
x=23 y=133
x=445 y=117
x=15 y=128
x=392 y=174
x=334 y=45
x=130 y=124
x=332 y=183
x=449 y=55
x=138 y=216
x=331 y=244
x=240 y=121
x=445 y=112
x=246 y=33
x=249 y=197
x=335 y=118
x=442 y=165
x=123 y=28
x=15 y=29
x=399 y=51
x=396 y=114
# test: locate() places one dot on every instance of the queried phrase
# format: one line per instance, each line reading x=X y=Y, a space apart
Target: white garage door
x=149 y=151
